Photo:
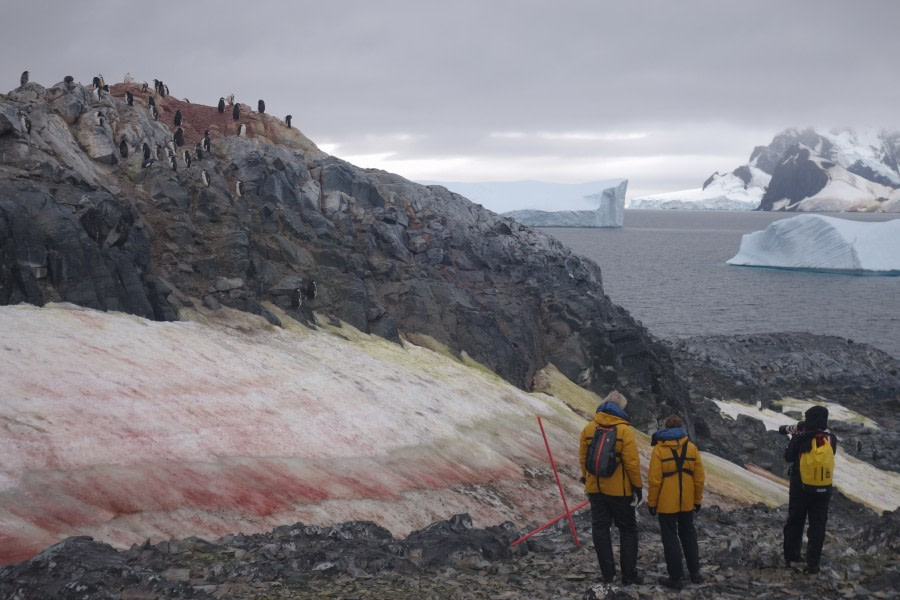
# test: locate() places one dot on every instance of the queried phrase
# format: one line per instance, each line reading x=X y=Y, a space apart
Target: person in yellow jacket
x=676 y=493
x=611 y=497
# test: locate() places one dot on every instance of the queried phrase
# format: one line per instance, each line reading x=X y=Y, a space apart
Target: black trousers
x=606 y=510
x=803 y=505
x=679 y=538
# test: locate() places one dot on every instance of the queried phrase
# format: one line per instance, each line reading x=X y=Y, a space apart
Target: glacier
x=821 y=243
x=722 y=192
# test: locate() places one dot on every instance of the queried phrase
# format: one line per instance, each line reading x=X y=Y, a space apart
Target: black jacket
x=799 y=444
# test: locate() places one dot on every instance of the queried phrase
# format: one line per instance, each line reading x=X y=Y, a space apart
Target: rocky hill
x=83 y=223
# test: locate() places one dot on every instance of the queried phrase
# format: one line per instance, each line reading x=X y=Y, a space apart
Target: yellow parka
x=664 y=481
x=628 y=472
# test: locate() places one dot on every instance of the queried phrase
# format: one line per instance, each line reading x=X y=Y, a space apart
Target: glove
x=651 y=510
x=639 y=493
x=696 y=508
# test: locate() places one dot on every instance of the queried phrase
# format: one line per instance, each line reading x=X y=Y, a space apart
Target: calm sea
x=667 y=268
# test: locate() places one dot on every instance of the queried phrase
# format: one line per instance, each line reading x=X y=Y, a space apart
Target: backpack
x=601 y=458
x=679 y=468
x=817 y=464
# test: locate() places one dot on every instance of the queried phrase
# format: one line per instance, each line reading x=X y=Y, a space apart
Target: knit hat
x=616 y=398
x=817 y=418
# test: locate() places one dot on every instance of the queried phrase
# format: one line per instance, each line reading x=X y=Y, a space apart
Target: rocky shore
x=740 y=556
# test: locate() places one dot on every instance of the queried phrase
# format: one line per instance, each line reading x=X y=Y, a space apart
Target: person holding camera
x=808 y=498
x=613 y=498
x=676 y=492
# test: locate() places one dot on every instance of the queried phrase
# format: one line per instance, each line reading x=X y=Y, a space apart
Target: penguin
x=144 y=87
x=102 y=81
x=178 y=118
x=170 y=147
x=239 y=188
x=156 y=85
x=147 y=162
x=68 y=80
x=186 y=157
x=123 y=148
x=261 y=107
x=198 y=151
x=287 y=120
x=105 y=88
x=151 y=101
x=95 y=94
x=179 y=137
x=165 y=90
x=186 y=101
x=96 y=83
x=242 y=130
x=204 y=177
x=311 y=290
x=174 y=163
x=24 y=78
x=129 y=98
x=296 y=298
x=229 y=99
x=146 y=149
x=221 y=106
x=206 y=141
x=169 y=152
x=99 y=117
x=236 y=112
x=154 y=113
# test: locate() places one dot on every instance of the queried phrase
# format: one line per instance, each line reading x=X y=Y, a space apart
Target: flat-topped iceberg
x=820 y=243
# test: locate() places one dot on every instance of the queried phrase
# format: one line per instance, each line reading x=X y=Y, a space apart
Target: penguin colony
x=151 y=156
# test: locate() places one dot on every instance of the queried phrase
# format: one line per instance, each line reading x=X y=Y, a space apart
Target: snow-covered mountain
x=803 y=170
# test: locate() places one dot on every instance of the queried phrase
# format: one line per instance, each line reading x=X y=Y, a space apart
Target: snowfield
x=127 y=429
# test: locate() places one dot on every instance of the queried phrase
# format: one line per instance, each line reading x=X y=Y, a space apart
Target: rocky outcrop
x=764 y=368
x=79 y=222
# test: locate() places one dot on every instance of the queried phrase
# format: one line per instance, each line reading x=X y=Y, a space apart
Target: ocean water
x=667 y=268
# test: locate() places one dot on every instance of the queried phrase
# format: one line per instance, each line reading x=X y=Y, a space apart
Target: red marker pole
x=559 y=484
x=546 y=525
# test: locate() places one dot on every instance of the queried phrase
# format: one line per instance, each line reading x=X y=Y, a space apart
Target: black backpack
x=601 y=458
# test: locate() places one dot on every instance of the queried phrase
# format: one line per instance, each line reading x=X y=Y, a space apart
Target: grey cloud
x=704 y=76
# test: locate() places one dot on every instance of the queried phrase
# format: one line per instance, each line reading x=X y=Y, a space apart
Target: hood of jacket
x=610 y=409
x=666 y=435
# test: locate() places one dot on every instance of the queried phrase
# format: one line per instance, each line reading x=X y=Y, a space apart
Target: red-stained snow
x=125 y=429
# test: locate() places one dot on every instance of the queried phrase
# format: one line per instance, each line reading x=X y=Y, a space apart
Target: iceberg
x=820 y=243
x=610 y=212
x=542 y=203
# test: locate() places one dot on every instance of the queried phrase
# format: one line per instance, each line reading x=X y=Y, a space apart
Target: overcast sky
x=662 y=92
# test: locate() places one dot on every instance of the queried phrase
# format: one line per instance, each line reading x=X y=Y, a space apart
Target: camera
x=792 y=429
